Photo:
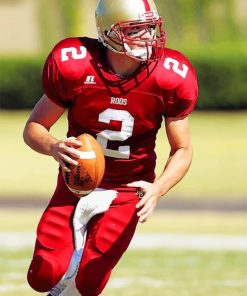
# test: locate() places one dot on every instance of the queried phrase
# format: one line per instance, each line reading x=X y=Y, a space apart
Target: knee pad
x=44 y=274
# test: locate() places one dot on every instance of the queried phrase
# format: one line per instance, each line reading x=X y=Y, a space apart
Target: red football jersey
x=123 y=114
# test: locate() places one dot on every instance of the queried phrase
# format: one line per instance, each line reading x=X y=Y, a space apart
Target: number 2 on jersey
x=174 y=64
x=109 y=135
x=74 y=53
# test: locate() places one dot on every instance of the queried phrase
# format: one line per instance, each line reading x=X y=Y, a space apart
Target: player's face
x=138 y=39
x=139 y=32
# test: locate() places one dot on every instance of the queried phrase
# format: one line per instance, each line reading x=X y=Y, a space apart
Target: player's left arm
x=177 y=165
x=181 y=77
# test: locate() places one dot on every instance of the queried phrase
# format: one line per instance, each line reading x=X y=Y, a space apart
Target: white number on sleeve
x=74 y=53
x=109 y=135
x=174 y=64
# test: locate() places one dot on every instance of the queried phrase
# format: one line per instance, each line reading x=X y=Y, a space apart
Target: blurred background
x=211 y=199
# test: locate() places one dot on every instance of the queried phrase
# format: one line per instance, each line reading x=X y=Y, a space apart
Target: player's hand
x=65 y=152
x=149 y=200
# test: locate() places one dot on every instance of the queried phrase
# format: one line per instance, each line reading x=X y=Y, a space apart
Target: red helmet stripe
x=146 y=4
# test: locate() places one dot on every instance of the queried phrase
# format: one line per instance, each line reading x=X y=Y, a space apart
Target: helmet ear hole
x=110 y=34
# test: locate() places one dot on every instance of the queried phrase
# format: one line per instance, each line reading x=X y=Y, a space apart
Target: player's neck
x=121 y=64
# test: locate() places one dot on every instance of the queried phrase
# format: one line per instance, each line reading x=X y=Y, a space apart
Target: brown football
x=87 y=175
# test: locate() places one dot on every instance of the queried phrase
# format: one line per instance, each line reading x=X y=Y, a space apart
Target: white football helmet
x=114 y=18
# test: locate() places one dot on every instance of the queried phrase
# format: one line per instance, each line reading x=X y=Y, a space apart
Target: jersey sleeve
x=184 y=98
x=63 y=71
x=178 y=79
x=53 y=82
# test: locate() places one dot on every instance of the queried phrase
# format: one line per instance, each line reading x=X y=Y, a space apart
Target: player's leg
x=54 y=244
x=69 y=276
x=109 y=235
x=94 y=203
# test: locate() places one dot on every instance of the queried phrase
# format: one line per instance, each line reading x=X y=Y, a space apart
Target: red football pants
x=108 y=236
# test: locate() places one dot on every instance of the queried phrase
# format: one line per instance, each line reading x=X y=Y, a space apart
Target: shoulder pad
x=70 y=56
x=173 y=69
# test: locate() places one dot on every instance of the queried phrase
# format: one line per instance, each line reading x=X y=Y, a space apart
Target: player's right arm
x=38 y=137
x=53 y=104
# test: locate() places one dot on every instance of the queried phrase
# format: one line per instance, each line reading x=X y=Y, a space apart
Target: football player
x=119 y=89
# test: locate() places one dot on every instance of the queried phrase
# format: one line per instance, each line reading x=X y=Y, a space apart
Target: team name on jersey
x=119 y=101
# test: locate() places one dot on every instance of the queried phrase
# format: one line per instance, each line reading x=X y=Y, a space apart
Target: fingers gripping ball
x=87 y=175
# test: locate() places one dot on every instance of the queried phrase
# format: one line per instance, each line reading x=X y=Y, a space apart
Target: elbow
x=25 y=134
x=188 y=155
x=190 y=152
x=185 y=151
x=184 y=155
x=28 y=133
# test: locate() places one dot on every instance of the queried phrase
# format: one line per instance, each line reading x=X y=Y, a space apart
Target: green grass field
x=147 y=272
x=218 y=170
